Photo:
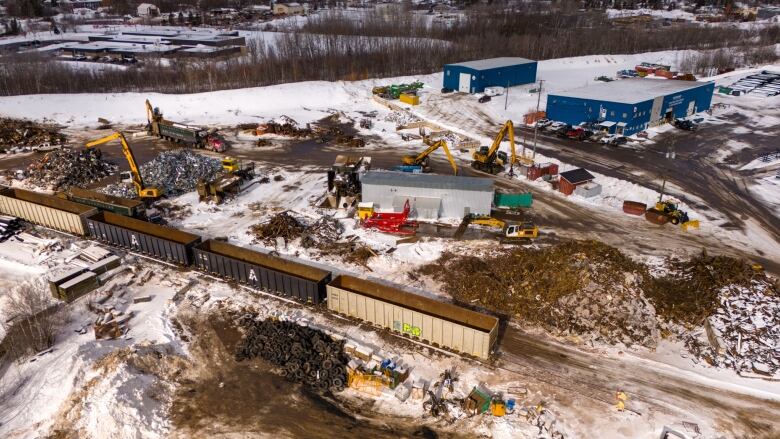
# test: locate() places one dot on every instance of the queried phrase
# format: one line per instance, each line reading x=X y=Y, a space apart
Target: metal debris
x=64 y=168
x=174 y=172
x=15 y=133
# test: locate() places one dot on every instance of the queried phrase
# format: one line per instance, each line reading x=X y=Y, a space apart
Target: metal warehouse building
x=430 y=196
x=628 y=106
x=474 y=76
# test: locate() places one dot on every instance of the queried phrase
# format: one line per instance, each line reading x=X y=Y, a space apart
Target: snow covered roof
x=405 y=179
x=631 y=90
x=493 y=63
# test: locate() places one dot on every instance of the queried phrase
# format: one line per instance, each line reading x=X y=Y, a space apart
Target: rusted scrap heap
x=284 y=129
x=282 y=225
x=303 y=354
x=15 y=133
x=64 y=168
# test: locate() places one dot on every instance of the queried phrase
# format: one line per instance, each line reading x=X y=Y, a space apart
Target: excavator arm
x=507 y=129
x=149 y=111
x=420 y=158
x=138 y=181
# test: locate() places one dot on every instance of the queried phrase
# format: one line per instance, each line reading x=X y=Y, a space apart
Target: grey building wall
x=429 y=203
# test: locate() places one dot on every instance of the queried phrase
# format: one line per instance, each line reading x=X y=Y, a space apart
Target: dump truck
x=179 y=133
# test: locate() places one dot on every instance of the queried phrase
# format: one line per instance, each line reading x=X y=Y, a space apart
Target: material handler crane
x=490 y=159
x=419 y=162
x=143 y=191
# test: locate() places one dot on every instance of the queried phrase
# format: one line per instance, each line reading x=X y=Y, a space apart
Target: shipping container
x=78 y=286
x=428 y=320
x=634 y=207
x=513 y=200
x=157 y=241
x=45 y=210
x=262 y=271
x=117 y=205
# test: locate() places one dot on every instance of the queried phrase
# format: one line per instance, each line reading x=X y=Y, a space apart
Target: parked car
x=597 y=136
x=541 y=123
x=578 y=133
x=555 y=126
x=80 y=58
x=494 y=91
x=685 y=124
x=484 y=99
x=563 y=131
x=607 y=139
x=619 y=140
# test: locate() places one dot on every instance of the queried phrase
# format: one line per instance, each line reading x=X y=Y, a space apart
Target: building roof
x=577 y=176
x=431 y=181
x=631 y=90
x=493 y=63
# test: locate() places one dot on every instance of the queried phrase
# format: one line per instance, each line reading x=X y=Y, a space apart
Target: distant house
x=79 y=4
x=288 y=9
x=147 y=10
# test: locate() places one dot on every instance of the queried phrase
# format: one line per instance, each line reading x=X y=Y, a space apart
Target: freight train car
x=265 y=272
x=157 y=241
x=45 y=210
x=431 y=321
x=118 y=205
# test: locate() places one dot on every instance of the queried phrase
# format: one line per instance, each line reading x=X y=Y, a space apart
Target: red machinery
x=392 y=222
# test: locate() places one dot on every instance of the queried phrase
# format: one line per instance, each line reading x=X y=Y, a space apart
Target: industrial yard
x=573 y=247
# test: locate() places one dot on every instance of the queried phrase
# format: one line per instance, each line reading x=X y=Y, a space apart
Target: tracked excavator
x=490 y=159
x=420 y=162
x=144 y=192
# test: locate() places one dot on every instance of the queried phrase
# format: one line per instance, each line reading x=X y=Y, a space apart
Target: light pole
x=536 y=125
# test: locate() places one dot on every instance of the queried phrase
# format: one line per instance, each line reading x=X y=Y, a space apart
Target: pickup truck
x=578 y=133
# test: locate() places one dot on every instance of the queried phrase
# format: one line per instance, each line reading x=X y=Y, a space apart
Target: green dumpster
x=513 y=200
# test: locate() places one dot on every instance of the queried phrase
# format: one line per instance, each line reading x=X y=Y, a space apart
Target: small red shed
x=571 y=179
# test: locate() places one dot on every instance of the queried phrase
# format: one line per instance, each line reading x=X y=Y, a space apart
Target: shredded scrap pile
x=21 y=133
x=289 y=129
x=281 y=225
x=738 y=305
x=303 y=354
x=173 y=172
x=578 y=287
x=63 y=168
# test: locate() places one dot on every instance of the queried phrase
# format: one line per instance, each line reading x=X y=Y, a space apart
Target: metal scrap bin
x=45 y=210
x=118 y=205
x=56 y=281
x=634 y=207
x=157 y=241
x=431 y=321
x=408 y=98
x=105 y=264
x=262 y=271
x=78 y=286
x=513 y=200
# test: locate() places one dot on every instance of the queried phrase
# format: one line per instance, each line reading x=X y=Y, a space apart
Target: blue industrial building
x=628 y=106
x=474 y=76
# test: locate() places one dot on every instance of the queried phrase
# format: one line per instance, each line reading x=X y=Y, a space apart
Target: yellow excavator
x=149 y=193
x=419 y=162
x=490 y=159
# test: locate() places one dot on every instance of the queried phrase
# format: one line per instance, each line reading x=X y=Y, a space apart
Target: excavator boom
x=138 y=181
x=419 y=159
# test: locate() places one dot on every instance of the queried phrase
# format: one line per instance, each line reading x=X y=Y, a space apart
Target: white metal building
x=431 y=196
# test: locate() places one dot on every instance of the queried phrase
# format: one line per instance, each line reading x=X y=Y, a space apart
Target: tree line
x=381 y=44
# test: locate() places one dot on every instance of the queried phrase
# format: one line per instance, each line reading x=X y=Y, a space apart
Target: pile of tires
x=302 y=354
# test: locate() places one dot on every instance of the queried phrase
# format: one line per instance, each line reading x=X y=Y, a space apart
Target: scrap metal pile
x=15 y=133
x=303 y=354
x=9 y=226
x=64 y=168
x=289 y=129
x=320 y=234
x=173 y=172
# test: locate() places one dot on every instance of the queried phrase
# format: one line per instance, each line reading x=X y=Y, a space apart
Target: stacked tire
x=302 y=354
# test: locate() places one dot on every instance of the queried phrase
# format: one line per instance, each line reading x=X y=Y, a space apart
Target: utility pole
x=506 y=98
x=536 y=126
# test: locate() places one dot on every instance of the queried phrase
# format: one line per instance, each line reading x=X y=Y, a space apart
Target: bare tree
x=33 y=323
